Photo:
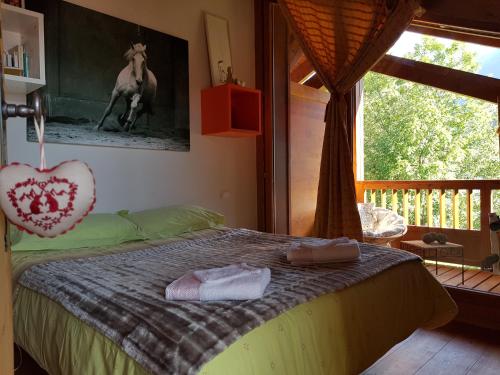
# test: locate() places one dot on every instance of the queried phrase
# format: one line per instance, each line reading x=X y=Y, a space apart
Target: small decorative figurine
x=229 y=75
x=231 y=79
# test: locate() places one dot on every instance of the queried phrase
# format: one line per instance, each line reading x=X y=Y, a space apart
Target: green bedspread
x=338 y=333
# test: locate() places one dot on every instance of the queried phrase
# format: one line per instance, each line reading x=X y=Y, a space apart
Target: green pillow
x=96 y=230
x=174 y=220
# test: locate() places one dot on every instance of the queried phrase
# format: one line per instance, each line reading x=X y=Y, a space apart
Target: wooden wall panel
x=264 y=141
x=272 y=76
x=280 y=95
x=307 y=110
x=476 y=308
x=6 y=340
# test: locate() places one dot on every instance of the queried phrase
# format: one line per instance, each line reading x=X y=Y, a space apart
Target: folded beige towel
x=337 y=250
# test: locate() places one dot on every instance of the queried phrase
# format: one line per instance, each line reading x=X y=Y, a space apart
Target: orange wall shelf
x=231 y=111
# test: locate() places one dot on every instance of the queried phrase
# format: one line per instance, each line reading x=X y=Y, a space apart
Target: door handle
x=20 y=110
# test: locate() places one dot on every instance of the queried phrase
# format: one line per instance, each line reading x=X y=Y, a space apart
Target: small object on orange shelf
x=230 y=110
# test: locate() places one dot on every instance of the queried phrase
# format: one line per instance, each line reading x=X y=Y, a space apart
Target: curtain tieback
x=334 y=97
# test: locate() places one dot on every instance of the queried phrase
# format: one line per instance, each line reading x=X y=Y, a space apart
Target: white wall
x=218 y=173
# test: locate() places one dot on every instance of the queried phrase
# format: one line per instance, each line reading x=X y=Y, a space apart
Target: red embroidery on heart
x=43 y=203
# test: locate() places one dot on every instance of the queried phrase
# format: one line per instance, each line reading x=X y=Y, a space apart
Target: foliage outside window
x=417 y=132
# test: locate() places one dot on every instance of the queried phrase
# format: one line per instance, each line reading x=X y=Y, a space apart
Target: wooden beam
x=485 y=204
x=357 y=110
x=442 y=208
x=456 y=33
x=309 y=93
x=455 y=209
x=264 y=141
x=417 y=206
x=294 y=50
x=475 y=15
x=470 y=210
x=383 y=198
x=469 y=84
x=314 y=81
x=405 y=205
x=431 y=184
x=280 y=106
x=429 y=206
x=394 y=200
x=301 y=69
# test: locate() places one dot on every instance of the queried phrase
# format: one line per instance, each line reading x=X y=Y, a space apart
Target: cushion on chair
x=386 y=223
x=366 y=216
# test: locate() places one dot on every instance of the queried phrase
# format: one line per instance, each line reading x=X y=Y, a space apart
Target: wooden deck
x=474 y=278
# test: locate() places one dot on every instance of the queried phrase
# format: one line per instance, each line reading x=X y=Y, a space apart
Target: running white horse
x=137 y=84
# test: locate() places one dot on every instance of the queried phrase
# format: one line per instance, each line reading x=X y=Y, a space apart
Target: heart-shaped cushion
x=48 y=202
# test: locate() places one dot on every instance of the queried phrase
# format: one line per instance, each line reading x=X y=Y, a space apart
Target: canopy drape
x=343 y=39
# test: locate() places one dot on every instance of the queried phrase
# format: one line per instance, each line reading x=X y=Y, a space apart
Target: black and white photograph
x=111 y=82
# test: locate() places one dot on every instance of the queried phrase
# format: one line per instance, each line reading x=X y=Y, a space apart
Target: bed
x=330 y=332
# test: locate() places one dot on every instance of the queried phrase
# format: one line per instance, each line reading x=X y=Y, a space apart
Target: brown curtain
x=343 y=39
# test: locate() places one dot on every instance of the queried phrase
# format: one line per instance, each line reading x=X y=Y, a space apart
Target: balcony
x=458 y=208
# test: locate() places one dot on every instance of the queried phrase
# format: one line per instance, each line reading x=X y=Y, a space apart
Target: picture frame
x=119 y=84
x=219 y=48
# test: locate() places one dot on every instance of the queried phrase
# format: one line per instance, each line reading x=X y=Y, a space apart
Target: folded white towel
x=250 y=284
x=185 y=288
x=224 y=273
x=326 y=244
x=337 y=250
x=234 y=282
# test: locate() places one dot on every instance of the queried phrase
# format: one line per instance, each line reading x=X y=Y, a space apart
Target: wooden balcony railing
x=459 y=208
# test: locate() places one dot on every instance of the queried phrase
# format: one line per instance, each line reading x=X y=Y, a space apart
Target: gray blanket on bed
x=122 y=295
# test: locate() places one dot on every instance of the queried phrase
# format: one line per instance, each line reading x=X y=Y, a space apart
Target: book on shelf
x=26 y=64
x=16 y=61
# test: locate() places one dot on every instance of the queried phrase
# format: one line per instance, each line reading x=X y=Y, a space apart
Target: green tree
x=416 y=132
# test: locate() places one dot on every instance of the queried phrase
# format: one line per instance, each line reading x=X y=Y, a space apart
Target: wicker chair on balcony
x=380 y=225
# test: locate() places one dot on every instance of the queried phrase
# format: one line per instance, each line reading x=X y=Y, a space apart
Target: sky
x=488 y=57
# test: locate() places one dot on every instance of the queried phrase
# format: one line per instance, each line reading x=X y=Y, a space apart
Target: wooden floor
x=454 y=350
x=474 y=278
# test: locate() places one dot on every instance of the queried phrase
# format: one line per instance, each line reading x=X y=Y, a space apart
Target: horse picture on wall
x=137 y=85
x=111 y=82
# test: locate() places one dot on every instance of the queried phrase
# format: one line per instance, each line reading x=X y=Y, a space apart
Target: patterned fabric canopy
x=343 y=39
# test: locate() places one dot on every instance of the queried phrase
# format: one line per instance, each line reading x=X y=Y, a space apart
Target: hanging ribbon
x=40 y=133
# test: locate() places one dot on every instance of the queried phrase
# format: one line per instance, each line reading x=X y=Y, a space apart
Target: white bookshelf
x=21 y=26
